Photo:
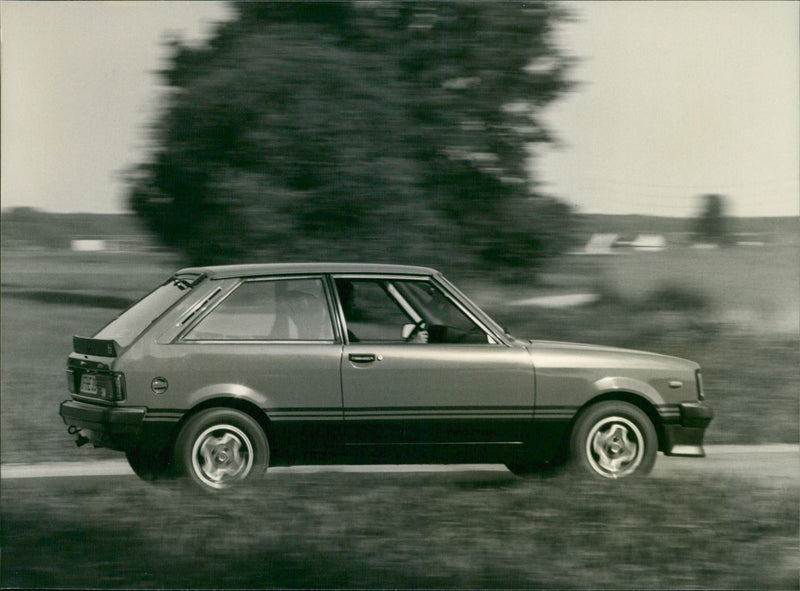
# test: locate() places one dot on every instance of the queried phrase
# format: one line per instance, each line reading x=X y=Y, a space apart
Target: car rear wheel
x=151 y=466
x=524 y=468
x=614 y=439
x=221 y=447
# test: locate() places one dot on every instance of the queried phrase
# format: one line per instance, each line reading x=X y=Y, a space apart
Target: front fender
x=628 y=385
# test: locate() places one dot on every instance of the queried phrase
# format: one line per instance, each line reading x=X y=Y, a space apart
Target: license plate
x=88 y=384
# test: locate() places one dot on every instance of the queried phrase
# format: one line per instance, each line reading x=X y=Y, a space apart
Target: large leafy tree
x=366 y=131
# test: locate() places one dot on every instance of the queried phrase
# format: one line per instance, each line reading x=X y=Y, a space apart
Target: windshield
x=130 y=324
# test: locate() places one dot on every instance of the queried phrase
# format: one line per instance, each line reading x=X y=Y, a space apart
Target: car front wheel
x=220 y=447
x=614 y=439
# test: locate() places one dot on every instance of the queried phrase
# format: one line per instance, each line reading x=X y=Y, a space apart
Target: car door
x=421 y=377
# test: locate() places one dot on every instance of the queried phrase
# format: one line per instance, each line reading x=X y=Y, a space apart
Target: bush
x=676 y=298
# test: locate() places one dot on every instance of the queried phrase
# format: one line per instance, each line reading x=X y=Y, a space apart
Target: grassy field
x=757 y=288
x=752 y=380
x=463 y=530
x=46 y=298
x=752 y=376
x=122 y=274
x=455 y=530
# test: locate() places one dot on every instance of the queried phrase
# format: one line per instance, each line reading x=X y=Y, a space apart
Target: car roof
x=253 y=270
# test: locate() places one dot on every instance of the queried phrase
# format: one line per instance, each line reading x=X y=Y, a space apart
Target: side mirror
x=408 y=330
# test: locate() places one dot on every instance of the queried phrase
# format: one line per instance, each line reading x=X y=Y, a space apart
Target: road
x=777 y=465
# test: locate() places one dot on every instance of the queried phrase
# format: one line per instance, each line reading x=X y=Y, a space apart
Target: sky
x=675 y=100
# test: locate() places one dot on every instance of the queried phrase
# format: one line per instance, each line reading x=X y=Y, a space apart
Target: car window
x=370 y=312
x=435 y=306
x=378 y=310
x=444 y=321
x=130 y=324
x=275 y=310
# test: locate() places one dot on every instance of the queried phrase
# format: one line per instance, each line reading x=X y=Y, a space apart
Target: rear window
x=130 y=324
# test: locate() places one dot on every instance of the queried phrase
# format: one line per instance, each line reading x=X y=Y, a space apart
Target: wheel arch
x=235 y=403
x=242 y=423
x=633 y=398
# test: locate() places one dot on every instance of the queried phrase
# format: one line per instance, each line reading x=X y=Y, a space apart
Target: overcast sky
x=676 y=100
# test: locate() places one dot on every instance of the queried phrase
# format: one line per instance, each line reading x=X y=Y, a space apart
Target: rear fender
x=234 y=391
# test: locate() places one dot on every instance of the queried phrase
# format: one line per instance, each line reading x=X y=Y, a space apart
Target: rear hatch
x=90 y=374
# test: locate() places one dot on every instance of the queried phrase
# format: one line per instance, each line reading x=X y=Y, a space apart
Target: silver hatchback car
x=223 y=371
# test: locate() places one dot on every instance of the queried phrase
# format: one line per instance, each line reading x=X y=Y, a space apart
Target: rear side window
x=274 y=310
x=130 y=324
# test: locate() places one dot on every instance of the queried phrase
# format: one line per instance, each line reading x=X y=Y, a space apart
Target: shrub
x=676 y=298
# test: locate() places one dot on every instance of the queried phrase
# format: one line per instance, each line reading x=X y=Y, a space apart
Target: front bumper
x=686 y=437
x=104 y=426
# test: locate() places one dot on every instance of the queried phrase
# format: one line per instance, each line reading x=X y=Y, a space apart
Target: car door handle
x=361 y=357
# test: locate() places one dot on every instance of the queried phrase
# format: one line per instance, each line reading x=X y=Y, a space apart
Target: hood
x=628 y=357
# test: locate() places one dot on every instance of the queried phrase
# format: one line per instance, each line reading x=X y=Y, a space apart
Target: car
x=224 y=371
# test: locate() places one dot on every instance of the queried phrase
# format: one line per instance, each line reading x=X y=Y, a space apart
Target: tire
x=523 y=469
x=149 y=465
x=221 y=447
x=613 y=439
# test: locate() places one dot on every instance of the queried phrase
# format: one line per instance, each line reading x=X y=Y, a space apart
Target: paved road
x=777 y=465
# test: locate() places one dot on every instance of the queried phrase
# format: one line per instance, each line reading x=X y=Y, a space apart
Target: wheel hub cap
x=614 y=447
x=221 y=455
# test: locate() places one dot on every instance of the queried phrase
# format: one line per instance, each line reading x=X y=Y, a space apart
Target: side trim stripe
x=170 y=416
x=451 y=412
x=554 y=413
x=304 y=416
x=665 y=411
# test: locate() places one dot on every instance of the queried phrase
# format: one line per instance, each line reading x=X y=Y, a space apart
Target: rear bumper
x=685 y=438
x=104 y=426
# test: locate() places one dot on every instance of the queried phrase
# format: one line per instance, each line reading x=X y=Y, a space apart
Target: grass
x=34 y=344
x=43 y=304
x=751 y=377
x=486 y=530
x=758 y=287
x=402 y=530
x=127 y=274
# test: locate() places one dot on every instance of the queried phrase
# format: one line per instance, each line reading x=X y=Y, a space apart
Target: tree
x=711 y=226
x=364 y=131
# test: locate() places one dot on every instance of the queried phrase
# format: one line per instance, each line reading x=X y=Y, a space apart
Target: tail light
x=108 y=386
x=71 y=381
x=119 y=386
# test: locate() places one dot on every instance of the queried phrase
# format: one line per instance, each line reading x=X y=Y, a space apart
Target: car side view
x=221 y=372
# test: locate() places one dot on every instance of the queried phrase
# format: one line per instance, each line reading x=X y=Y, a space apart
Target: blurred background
x=618 y=173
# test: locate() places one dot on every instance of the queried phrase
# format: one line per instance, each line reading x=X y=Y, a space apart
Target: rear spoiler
x=186 y=279
x=97 y=347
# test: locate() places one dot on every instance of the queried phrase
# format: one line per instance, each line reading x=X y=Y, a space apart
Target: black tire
x=524 y=468
x=220 y=447
x=613 y=439
x=150 y=465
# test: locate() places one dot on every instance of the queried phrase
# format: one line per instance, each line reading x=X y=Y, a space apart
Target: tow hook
x=79 y=439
